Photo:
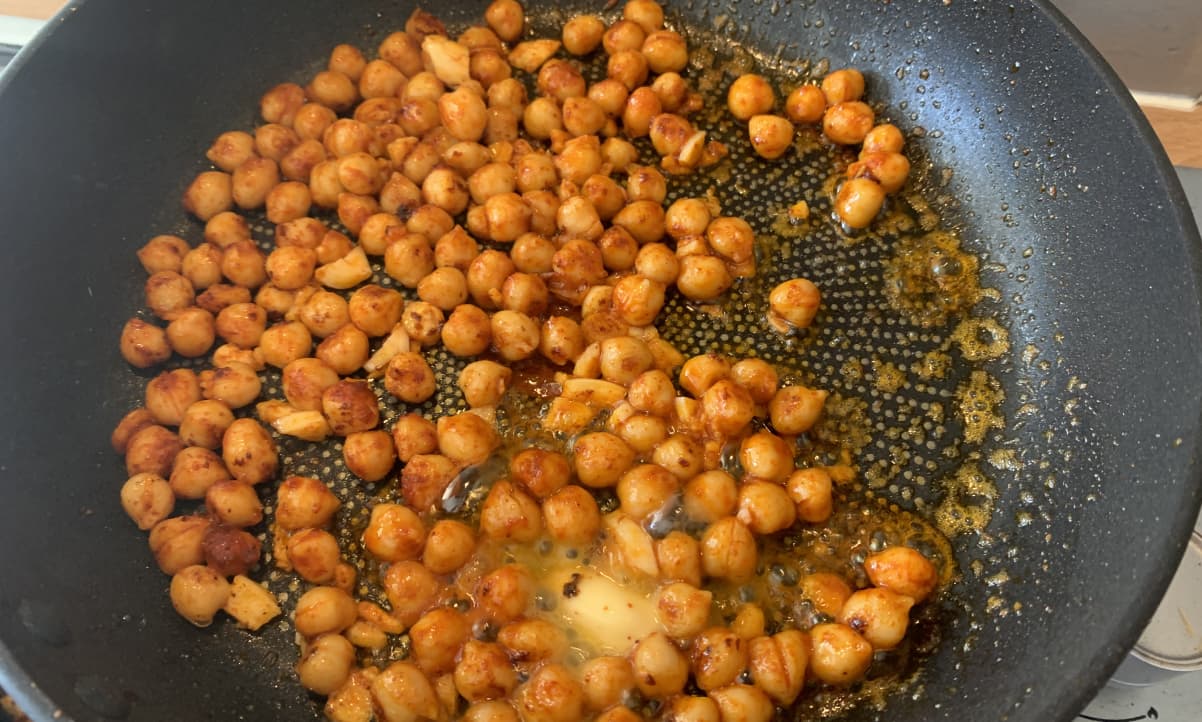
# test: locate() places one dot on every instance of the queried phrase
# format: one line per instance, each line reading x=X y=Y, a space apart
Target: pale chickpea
x=350 y=405
x=679 y=558
x=504 y=594
x=810 y=490
x=623 y=35
x=890 y=170
x=178 y=542
x=666 y=51
x=425 y=479
x=444 y=287
x=770 y=135
x=147 y=499
x=402 y=693
x=582 y=34
x=848 y=123
x=231 y=149
x=561 y=340
x=541 y=118
x=305 y=380
x=192 y=333
x=314 y=555
x=506 y=18
x=209 y=194
x=646 y=489
x=198 y=593
x=483 y=383
x=413 y=434
x=642 y=432
x=449 y=545
x=750 y=95
x=410 y=378
x=703 y=277
x=168 y=294
x=672 y=91
x=904 y=571
x=234 y=503
x=375 y=310
x=423 y=322
x=170 y=393
x=879 y=615
x=510 y=514
x=684 y=610
x=765 y=507
x=742 y=702
x=728 y=551
x=326 y=664
x=660 y=669
x=243 y=264
x=795 y=409
x=437 y=638
x=468 y=331
x=143 y=345
x=369 y=455
x=719 y=656
x=151 y=449
x=484 y=672
x=641 y=108
x=466 y=438
x=303 y=501
x=687 y=708
x=766 y=456
x=409 y=259
x=324 y=610
x=843 y=85
x=487 y=272
x=806 y=104
x=345 y=350
x=234 y=384
x=514 y=334
x=884 y=138
x=202 y=266
x=838 y=654
x=601 y=458
x=571 y=516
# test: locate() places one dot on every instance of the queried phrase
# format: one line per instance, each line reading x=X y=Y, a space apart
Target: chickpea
x=411 y=590
x=198 y=593
x=827 y=592
x=231 y=149
x=703 y=277
x=543 y=207
x=619 y=154
x=524 y=293
x=192 y=332
x=204 y=423
x=679 y=557
x=561 y=341
x=425 y=478
x=607 y=198
x=623 y=358
x=413 y=434
x=326 y=664
x=241 y=324
x=503 y=594
x=243 y=264
x=177 y=542
x=130 y=424
x=848 y=123
x=409 y=259
x=410 y=378
x=143 y=345
x=506 y=18
x=601 y=458
x=234 y=503
x=533 y=641
x=765 y=507
x=170 y=393
x=838 y=654
x=423 y=322
x=305 y=380
x=168 y=294
x=456 y=249
x=369 y=455
x=583 y=116
x=778 y=664
x=220 y=296
x=719 y=656
x=152 y=449
x=806 y=104
x=771 y=135
x=728 y=550
x=497 y=710
x=507 y=93
x=582 y=34
x=299 y=163
x=229 y=551
x=684 y=610
x=333 y=90
x=647 y=14
x=888 y=169
x=194 y=470
x=202 y=266
x=742 y=702
x=795 y=409
x=710 y=496
x=437 y=638
x=163 y=253
x=380 y=79
x=660 y=669
x=758 y=377
x=904 y=571
x=485 y=273
x=509 y=514
x=324 y=186
x=880 y=615
x=766 y=456
x=646 y=489
x=884 y=138
x=686 y=708
x=641 y=107
x=666 y=51
x=402 y=51
x=449 y=545
x=313 y=554
x=579 y=159
x=623 y=35
x=843 y=85
x=750 y=95
x=402 y=693
x=494 y=179
x=508 y=216
x=303 y=502
x=515 y=335
x=444 y=287
x=551 y=695
x=209 y=194
x=484 y=672
x=642 y=432
x=577 y=218
x=350 y=406
x=354 y=210
x=418 y=116
x=252 y=181
x=489 y=66
x=375 y=235
x=727 y=408
x=571 y=516
x=466 y=438
x=468 y=331
x=652 y=392
x=810 y=490
x=541 y=118
x=375 y=310
x=463 y=113
x=324 y=610
x=274 y=141
x=345 y=350
x=147 y=499
x=483 y=383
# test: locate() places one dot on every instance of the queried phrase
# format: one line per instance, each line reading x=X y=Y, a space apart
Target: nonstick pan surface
x=1031 y=150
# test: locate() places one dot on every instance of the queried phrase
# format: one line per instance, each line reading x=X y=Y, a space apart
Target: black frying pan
x=104 y=117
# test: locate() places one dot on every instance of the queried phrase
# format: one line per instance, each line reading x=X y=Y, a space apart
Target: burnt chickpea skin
x=423 y=322
x=413 y=434
x=350 y=406
x=369 y=455
x=152 y=450
x=229 y=551
x=410 y=378
x=249 y=452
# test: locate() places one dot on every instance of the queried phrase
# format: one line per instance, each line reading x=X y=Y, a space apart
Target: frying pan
x=1057 y=182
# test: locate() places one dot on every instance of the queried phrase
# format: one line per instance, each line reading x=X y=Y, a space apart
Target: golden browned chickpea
x=413 y=434
x=409 y=259
x=525 y=293
x=687 y=217
x=305 y=380
x=359 y=173
x=888 y=169
x=234 y=503
x=571 y=516
x=483 y=383
x=326 y=663
x=449 y=545
x=618 y=249
x=623 y=358
x=728 y=550
x=323 y=313
x=628 y=67
x=795 y=409
x=395 y=533
x=541 y=118
x=551 y=695
x=508 y=93
x=220 y=296
x=666 y=51
x=879 y=615
x=354 y=210
x=234 y=384
x=177 y=542
x=509 y=514
x=493 y=179
x=652 y=392
x=532 y=253
x=582 y=34
x=778 y=664
x=437 y=638
x=252 y=181
x=682 y=455
x=506 y=18
x=484 y=672
x=605 y=195
x=607 y=681
x=731 y=238
x=515 y=335
x=486 y=273
x=323 y=610
x=645 y=183
x=291 y=267
x=468 y=331
x=369 y=455
x=642 y=432
x=170 y=393
x=541 y=472
x=766 y=456
x=827 y=592
x=904 y=571
x=163 y=253
x=409 y=378
x=647 y=14
x=202 y=266
x=619 y=154
x=496 y=710
x=311 y=121
x=241 y=324
x=579 y=159
x=838 y=654
x=577 y=218
x=463 y=114
x=765 y=507
x=561 y=341
x=231 y=149
x=503 y=594
x=848 y=122
x=198 y=593
x=750 y=95
x=332 y=89
x=303 y=502
x=727 y=408
x=686 y=708
x=643 y=219
x=841 y=86
x=350 y=406
x=244 y=264
x=209 y=194
x=348 y=60
x=411 y=590
x=423 y=322
x=771 y=135
x=672 y=91
x=130 y=424
x=249 y=452
x=425 y=479
x=280 y=103
x=466 y=438
x=274 y=141
x=623 y=35
x=560 y=80
x=402 y=51
x=806 y=104
x=601 y=458
x=456 y=249
x=543 y=206
x=151 y=449
x=192 y=332
x=582 y=116
x=288 y=201
x=533 y=641
x=204 y=423
x=313 y=554
x=758 y=377
x=444 y=287
x=346 y=136
x=284 y=343
x=147 y=499
x=884 y=138
x=742 y=702
x=490 y=66
x=375 y=310
x=719 y=656
x=380 y=79
x=168 y=294
x=660 y=669
x=679 y=558
x=324 y=186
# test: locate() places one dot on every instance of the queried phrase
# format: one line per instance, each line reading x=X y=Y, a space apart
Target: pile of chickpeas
x=523 y=230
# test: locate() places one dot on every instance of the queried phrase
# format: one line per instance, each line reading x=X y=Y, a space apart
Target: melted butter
x=977 y=402
x=968 y=502
x=888 y=377
x=930 y=278
x=608 y=616
x=981 y=339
